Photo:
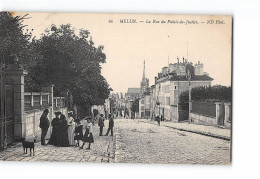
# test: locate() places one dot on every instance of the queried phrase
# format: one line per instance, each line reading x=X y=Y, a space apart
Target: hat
x=46 y=111
x=57 y=113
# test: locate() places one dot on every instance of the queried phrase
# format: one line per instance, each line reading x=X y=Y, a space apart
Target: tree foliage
x=215 y=93
x=71 y=62
x=14 y=38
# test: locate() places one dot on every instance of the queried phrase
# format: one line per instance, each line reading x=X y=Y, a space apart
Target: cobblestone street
x=139 y=142
x=135 y=141
x=101 y=151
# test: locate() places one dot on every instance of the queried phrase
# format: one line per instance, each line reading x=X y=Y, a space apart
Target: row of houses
x=162 y=98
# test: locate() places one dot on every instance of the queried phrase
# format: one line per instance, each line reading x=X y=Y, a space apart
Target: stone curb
x=196 y=132
x=116 y=146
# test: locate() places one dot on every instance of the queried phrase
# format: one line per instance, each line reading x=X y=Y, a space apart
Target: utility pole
x=189 y=78
x=2 y=104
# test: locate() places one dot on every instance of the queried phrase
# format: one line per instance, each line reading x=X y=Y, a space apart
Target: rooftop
x=193 y=78
x=184 y=78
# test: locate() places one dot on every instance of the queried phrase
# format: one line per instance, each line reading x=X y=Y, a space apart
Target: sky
x=127 y=45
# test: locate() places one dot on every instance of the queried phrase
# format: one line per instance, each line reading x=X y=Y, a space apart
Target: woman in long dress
x=88 y=136
x=62 y=139
x=54 y=124
x=71 y=129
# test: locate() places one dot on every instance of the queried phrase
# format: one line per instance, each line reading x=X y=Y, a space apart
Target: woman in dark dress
x=59 y=136
x=62 y=139
x=54 y=124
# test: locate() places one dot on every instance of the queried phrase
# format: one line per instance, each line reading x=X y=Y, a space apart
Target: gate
x=7 y=114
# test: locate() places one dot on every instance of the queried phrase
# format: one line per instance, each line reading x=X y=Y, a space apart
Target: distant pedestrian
x=88 y=136
x=101 y=124
x=110 y=125
x=162 y=118
x=44 y=125
x=157 y=118
x=132 y=115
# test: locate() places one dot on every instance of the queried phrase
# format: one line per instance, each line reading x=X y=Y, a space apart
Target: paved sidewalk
x=102 y=151
x=211 y=131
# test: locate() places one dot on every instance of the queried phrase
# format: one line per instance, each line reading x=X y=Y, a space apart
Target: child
x=88 y=137
x=78 y=132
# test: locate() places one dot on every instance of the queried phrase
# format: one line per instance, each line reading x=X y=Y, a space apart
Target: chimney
x=183 y=60
x=198 y=62
x=178 y=60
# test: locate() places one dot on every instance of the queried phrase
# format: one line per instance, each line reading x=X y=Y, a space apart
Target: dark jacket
x=101 y=122
x=111 y=123
x=44 y=122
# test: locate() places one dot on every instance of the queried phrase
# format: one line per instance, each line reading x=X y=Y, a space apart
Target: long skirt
x=71 y=130
x=86 y=138
x=53 y=139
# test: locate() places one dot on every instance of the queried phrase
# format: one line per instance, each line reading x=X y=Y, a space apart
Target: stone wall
x=221 y=118
x=32 y=122
x=35 y=104
x=203 y=120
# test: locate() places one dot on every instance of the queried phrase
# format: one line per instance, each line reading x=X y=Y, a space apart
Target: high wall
x=26 y=108
x=35 y=103
x=211 y=113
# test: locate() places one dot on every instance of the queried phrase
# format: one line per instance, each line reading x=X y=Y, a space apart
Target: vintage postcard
x=116 y=88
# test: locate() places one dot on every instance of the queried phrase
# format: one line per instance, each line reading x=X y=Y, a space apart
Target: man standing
x=111 y=125
x=44 y=125
x=101 y=124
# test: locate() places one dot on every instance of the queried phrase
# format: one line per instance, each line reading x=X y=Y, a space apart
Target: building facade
x=132 y=93
x=170 y=83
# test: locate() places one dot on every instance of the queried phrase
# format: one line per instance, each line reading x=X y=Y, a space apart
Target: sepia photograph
x=116 y=88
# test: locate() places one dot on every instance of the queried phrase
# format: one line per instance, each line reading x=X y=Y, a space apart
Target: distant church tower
x=144 y=82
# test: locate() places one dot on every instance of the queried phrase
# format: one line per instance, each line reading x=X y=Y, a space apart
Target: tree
x=201 y=93
x=14 y=38
x=71 y=62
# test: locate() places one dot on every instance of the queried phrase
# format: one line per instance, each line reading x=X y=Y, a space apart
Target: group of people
x=69 y=132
